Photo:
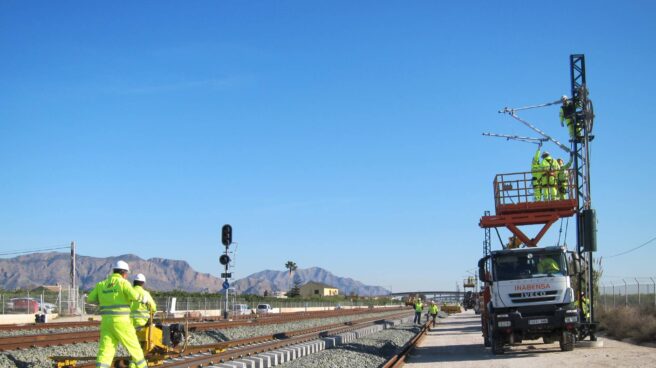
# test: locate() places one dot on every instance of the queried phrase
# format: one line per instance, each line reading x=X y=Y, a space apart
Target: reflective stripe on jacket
x=140 y=312
x=114 y=296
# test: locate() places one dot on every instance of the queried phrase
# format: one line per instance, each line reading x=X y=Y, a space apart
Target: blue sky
x=344 y=135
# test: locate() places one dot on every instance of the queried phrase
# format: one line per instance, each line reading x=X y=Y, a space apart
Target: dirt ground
x=457 y=342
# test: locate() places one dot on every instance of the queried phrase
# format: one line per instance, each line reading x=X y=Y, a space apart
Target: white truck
x=529 y=296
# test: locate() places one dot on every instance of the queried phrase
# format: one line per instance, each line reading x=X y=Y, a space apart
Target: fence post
x=626 y=294
x=612 y=284
x=637 y=282
x=654 y=283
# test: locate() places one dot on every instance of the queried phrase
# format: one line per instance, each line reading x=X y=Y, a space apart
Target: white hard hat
x=564 y=98
x=121 y=265
x=140 y=277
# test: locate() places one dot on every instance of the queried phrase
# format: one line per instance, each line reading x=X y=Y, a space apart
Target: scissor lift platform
x=517 y=205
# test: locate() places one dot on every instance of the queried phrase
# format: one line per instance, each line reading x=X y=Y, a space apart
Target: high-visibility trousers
x=113 y=331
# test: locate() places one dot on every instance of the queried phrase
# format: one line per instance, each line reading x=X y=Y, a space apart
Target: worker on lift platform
x=549 y=175
x=536 y=172
x=563 y=178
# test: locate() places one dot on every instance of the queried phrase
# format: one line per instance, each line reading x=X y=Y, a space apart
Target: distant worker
x=536 y=172
x=114 y=296
x=567 y=112
x=547 y=265
x=140 y=312
x=419 y=306
x=585 y=307
x=433 y=310
x=513 y=242
x=549 y=174
x=563 y=178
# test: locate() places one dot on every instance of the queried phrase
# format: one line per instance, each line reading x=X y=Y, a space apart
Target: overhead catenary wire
x=536 y=106
x=519 y=138
x=632 y=249
x=54 y=247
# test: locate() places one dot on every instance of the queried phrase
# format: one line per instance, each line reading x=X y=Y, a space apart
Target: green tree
x=295 y=291
x=291 y=266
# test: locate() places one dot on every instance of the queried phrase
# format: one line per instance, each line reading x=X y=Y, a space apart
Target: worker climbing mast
x=528 y=292
x=586 y=237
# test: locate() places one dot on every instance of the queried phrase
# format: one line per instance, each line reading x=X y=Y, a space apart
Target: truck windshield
x=529 y=265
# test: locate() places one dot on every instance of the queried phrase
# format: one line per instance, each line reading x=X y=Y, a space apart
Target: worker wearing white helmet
x=140 y=312
x=567 y=111
x=114 y=296
x=549 y=183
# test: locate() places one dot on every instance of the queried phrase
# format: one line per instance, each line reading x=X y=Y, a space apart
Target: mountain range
x=36 y=269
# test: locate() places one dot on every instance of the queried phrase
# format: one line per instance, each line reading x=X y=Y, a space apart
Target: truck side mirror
x=482 y=276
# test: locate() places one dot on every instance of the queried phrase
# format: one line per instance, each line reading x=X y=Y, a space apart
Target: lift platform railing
x=514 y=192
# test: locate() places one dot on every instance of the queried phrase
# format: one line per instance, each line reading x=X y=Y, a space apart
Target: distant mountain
x=53 y=268
x=270 y=281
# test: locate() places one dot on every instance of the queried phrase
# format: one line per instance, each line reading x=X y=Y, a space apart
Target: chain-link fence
x=67 y=302
x=63 y=301
x=627 y=292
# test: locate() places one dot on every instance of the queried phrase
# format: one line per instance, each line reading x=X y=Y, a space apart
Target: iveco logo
x=535 y=293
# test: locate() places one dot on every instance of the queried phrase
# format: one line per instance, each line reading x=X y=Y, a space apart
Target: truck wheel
x=497 y=346
x=567 y=341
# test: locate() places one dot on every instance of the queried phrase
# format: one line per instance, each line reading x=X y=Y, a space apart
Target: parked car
x=48 y=308
x=263 y=308
x=240 y=309
x=23 y=305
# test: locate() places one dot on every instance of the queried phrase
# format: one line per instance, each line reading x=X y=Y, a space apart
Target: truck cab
x=530 y=296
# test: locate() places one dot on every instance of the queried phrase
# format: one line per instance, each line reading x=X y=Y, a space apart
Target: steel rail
x=398 y=360
x=64 y=338
x=202 y=355
x=194 y=323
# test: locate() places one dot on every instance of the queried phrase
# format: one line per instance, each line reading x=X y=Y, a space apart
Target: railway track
x=64 y=338
x=204 y=355
x=398 y=360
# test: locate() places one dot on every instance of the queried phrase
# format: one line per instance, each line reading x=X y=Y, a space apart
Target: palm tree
x=291 y=266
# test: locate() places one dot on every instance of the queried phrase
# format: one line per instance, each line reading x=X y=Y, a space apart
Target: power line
x=33 y=251
x=632 y=249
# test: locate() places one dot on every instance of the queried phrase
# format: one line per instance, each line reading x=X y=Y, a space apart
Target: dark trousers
x=434 y=316
x=417 y=317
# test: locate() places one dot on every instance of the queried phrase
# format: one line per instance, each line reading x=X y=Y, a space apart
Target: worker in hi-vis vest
x=567 y=111
x=563 y=178
x=114 y=296
x=536 y=172
x=549 y=177
x=433 y=310
x=140 y=312
x=419 y=306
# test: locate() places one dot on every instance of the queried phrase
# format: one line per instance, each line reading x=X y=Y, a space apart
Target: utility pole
x=586 y=237
x=72 y=295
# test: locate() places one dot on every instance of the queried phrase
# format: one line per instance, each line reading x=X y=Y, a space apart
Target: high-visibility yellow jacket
x=536 y=168
x=434 y=309
x=419 y=307
x=550 y=169
x=114 y=296
x=548 y=265
x=563 y=174
x=140 y=312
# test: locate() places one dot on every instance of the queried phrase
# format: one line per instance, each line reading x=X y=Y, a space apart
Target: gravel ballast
x=39 y=357
x=369 y=351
